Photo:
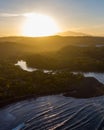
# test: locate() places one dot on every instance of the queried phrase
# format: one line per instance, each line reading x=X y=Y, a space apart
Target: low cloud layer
x=10 y=15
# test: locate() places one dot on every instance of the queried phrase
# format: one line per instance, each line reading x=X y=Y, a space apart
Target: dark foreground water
x=54 y=113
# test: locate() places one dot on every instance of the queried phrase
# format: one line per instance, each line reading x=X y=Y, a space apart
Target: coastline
x=87 y=88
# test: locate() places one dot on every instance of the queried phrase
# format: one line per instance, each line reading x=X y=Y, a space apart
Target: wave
x=54 y=113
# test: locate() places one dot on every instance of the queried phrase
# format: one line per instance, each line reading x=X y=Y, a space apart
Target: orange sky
x=74 y=15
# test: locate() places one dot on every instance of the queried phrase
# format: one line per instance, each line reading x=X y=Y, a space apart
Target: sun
x=37 y=25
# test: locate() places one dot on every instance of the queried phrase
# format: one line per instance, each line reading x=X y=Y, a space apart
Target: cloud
x=10 y=15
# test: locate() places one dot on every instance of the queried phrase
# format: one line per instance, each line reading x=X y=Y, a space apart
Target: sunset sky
x=85 y=16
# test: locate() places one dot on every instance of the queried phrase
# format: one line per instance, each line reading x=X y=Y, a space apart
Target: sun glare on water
x=37 y=25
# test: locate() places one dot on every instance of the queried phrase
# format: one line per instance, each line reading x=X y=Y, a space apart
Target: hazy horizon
x=72 y=15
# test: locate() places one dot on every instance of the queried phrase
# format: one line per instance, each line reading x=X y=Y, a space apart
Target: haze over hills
x=72 y=33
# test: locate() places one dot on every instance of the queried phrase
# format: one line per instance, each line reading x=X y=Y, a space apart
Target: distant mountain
x=71 y=33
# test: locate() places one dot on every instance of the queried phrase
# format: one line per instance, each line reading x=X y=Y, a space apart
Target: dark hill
x=88 y=87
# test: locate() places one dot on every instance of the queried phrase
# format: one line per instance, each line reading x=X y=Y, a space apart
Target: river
x=23 y=65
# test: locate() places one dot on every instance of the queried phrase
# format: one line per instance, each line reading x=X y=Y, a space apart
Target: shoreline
x=84 y=91
x=22 y=98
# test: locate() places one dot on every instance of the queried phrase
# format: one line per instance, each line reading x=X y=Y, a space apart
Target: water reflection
x=54 y=113
x=47 y=71
x=98 y=76
x=23 y=65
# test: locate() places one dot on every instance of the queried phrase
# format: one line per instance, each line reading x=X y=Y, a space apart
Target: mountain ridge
x=72 y=33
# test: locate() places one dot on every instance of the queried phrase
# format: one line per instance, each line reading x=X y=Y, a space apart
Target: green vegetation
x=15 y=82
x=56 y=53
